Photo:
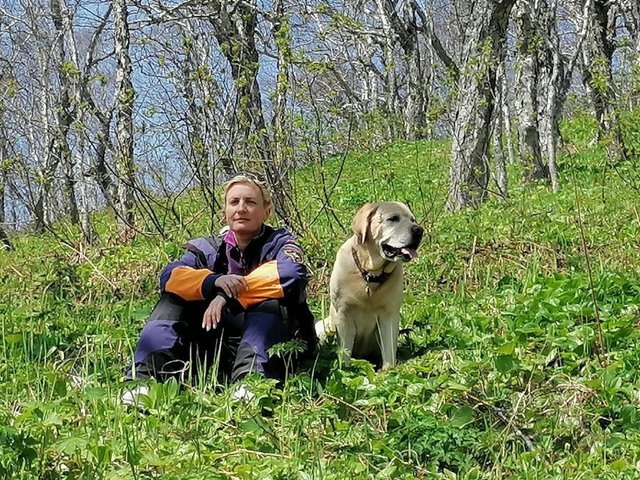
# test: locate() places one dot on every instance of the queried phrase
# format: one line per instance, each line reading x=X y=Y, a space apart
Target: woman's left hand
x=213 y=314
x=232 y=285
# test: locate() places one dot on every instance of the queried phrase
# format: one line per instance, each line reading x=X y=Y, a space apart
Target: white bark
x=528 y=66
x=497 y=136
x=597 y=60
x=67 y=72
x=549 y=119
x=3 y=179
x=83 y=189
x=556 y=73
x=469 y=174
x=506 y=119
x=631 y=14
x=124 y=118
x=195 y=73
x=389 y=64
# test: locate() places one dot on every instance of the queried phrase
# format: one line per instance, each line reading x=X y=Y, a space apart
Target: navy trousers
x=174 y=344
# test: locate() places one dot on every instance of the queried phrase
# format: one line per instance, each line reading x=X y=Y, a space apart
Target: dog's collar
x=368 y=277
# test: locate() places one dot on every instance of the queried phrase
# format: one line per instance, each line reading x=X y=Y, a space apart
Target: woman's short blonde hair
x=250 y=180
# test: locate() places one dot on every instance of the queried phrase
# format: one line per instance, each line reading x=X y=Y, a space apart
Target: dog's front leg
x=347 y=335
x=388 y=328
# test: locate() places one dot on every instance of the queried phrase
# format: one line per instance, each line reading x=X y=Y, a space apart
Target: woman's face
x=244 y=209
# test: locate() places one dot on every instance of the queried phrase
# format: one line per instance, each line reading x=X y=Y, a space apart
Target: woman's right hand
x=232 y=285
x=213 y=313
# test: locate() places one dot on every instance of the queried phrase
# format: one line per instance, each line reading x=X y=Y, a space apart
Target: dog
x=366 y=285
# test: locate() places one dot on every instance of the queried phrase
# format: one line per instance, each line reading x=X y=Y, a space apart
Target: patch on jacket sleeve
x=294 y=252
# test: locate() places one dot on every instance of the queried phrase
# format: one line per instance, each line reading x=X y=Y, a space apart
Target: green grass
x=501 y=345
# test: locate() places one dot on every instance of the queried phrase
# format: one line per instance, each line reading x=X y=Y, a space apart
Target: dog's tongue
x=411 y=252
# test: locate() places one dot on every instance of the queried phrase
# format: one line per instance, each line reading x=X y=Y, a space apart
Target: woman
x=229 y=298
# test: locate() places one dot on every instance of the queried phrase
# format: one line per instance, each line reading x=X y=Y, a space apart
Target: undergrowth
x=515 y=363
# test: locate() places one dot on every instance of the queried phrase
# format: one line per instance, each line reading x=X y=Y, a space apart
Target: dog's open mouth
x=406 y=253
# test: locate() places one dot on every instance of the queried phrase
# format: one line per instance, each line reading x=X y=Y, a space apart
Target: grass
x=500 y=351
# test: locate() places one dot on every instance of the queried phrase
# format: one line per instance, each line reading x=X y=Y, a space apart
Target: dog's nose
x=417 y=231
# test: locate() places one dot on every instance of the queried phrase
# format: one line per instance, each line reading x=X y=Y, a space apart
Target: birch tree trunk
x=125 y=95
x=67 y=70
x=528 y=65
x=371 y=76
x=631 y=13
x=83 y=190
x=416 y=111
x=235 y=29
x=555 y=74
x=195 y=73
x=549 y=118
x=282 y=150
x=6 y=243
x=469 y=174
x=403 y=28
x=391 y=83
x=42 y=144
x=506 y=118
x=597 y=76
x=498 y=134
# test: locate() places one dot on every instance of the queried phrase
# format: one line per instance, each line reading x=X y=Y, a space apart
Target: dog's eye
x=395 y=218
x=413 y=220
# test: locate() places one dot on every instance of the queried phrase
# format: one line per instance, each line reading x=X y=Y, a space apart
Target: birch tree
x=199 y=91
x=556 y=71
x=469 y=174
x=597 y=57
x=401 y=19
x=37 y=71
x=527 y=51
x=4 y=167
x=125 y=95
x=66 y=103
x=498 y=134
x=235 y=27
x=631 y=15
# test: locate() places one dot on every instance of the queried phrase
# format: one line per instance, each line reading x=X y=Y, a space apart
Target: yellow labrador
x=366 y=281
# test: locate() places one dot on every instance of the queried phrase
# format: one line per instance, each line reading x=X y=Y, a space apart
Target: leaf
x=70 y=445
x=458 y=386
x=507 y=348
x=463 y=416
x=140 y=314
x=103 y=454
x=505 y=363
x=60 y=387
x=51 y=419
x=619 y=465
x=594 y=383
x=251 y=426
x=95 y=393
x=59 y=384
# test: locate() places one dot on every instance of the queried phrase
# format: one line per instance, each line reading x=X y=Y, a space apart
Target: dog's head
x=391 y=227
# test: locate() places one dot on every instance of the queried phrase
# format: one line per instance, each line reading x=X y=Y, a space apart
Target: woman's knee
x=269 y=307
x=156 y=335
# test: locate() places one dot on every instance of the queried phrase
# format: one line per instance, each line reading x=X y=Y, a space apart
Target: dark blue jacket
x=272 y=264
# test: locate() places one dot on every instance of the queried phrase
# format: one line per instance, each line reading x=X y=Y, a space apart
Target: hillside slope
x=518 y=360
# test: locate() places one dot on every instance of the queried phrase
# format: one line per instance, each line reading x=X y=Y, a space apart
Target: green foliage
x=69 y=68
x=500 y=342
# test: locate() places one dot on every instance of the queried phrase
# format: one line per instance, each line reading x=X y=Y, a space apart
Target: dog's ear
x=362 y=220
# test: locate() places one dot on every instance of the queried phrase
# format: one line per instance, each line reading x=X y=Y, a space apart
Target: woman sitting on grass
x=228 y=299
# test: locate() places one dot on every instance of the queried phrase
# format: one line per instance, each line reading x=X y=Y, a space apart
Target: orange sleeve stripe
x=186 y=282
x=264 y=283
